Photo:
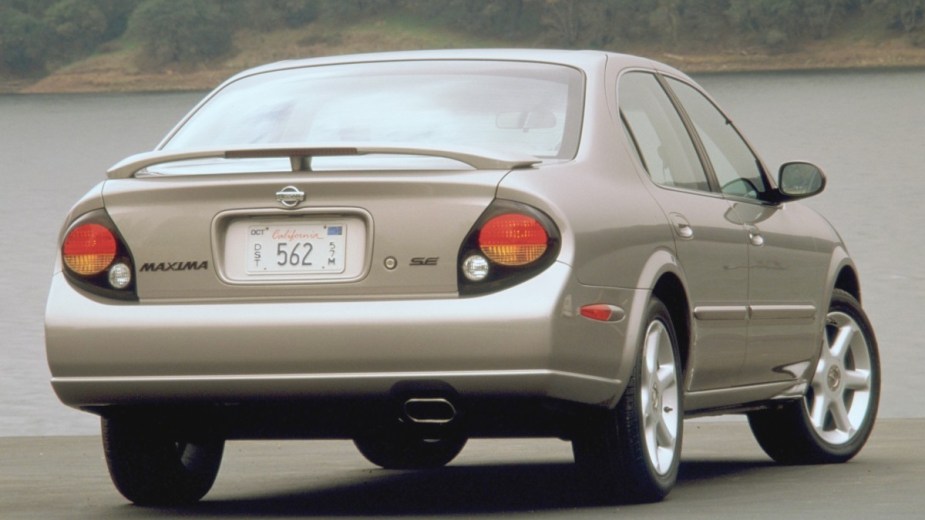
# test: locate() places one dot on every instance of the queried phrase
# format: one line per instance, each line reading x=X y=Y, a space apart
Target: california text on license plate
x=296 y=248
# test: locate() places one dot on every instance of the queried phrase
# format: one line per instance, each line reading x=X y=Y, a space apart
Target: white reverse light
x=475 y=268
x=120 y=275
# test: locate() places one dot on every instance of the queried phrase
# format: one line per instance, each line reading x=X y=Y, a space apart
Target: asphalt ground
x=724 y=474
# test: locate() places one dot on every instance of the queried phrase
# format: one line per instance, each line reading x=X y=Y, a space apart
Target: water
x=867 y=131
x=53 y=149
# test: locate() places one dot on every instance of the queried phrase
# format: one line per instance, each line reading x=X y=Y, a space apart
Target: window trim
x=712 y=184
x=765 y=198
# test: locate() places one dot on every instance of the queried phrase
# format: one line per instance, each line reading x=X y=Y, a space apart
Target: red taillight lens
x=513 y=239
x=89 y=249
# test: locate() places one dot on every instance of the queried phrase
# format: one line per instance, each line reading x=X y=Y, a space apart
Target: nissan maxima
x=409 y=250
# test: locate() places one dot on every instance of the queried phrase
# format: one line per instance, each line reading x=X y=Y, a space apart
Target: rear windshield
x=496 y=105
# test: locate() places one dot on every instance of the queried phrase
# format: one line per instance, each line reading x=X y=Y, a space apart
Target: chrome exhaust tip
x=429 y=410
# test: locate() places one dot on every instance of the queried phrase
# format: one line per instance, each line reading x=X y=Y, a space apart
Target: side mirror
x=798 y=180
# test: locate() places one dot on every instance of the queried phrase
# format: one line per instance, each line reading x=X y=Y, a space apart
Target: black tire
x=405 y=451
x=632 y=453
x=834 y=420
x=151 y=468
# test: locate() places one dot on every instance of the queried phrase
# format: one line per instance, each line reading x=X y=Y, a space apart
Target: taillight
x=96 y=259
x=513 y=239
x=510 y=243
x=89 y=249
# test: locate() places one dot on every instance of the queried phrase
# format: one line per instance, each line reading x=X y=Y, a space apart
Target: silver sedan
x=413 y=249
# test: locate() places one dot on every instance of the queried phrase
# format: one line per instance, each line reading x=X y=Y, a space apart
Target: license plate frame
x=303 y=248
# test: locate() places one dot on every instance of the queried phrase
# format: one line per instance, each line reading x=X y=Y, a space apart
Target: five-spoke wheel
x=633 y=452
x=835 y=418
x=659 y=396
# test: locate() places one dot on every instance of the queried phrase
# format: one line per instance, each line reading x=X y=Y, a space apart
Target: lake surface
x=866 y=129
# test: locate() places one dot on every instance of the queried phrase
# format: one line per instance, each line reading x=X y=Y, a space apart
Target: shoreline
x=116 y=73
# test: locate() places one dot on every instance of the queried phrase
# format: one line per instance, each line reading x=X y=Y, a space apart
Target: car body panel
x=714 y=259
x=783 y=327
x=356 y=347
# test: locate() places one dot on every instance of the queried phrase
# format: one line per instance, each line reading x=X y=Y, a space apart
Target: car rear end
x=241 y=275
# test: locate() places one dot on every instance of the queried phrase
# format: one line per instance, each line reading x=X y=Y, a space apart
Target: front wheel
x=835 y=418
x=633 y=452
x=151 y=468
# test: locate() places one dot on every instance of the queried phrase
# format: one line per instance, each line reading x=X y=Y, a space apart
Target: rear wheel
x=404 y=451
x=835 y=418
x=632 y=453
x=150 y=467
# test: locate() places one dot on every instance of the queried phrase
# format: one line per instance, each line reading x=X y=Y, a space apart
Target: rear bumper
x=526 y=342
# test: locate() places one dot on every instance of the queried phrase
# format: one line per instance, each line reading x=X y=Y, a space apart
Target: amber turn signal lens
x=513 y=239
x=89 y=249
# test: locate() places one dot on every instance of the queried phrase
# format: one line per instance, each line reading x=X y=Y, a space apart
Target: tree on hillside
x=907 y=15
x=35 y=8
x=506 y=19
x=117 y=14
x=78 y=26
x=265 y=15
x=185 y=33
x=24 y=42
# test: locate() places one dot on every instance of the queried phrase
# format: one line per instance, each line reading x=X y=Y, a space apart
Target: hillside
x=115 y=67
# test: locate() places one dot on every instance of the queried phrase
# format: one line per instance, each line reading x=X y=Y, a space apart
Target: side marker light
x=602 y=312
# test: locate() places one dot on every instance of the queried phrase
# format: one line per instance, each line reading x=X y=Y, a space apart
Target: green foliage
x=781 y=23
x=78 y=26
x=24 y=42
x=270 y=14
x=35 y=8
x=706 y=19
x=185 y=33
x=293 y=13
x=346 y=10
x=504 y=19
x=567 y=21
x=117 y=13
x=906 y=15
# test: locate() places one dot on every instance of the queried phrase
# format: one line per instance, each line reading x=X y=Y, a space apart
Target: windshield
x=496 y=105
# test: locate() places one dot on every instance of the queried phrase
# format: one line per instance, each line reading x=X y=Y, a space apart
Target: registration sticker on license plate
x=288 y=248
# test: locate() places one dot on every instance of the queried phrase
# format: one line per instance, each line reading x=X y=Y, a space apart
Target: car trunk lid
x=300 y=234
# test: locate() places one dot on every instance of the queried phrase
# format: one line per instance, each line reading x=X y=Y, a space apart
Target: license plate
x=287 y=248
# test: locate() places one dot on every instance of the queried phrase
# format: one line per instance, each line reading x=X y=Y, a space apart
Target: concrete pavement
x=724 y=474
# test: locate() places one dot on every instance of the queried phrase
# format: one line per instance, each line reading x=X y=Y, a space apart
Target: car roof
x=586 y=60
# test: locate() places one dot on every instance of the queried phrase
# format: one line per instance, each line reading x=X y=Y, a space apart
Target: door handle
x=681 y=226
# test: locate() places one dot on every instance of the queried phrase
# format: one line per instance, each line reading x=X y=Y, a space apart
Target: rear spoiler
x=300 y=157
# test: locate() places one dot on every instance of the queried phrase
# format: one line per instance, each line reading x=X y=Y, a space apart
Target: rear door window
x=737 y=169
x=655 y=128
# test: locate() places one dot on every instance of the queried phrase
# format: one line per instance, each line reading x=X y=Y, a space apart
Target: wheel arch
x=848 y=281
x=841 y=274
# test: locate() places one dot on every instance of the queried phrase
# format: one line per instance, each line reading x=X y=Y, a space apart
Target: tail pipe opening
x=429 y=410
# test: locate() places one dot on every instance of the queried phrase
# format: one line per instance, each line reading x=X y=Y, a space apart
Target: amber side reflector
x=513 y=239
x=89 y=249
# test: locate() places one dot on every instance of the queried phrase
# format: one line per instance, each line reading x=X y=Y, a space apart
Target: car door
x=710 y=240
x=786 y=265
